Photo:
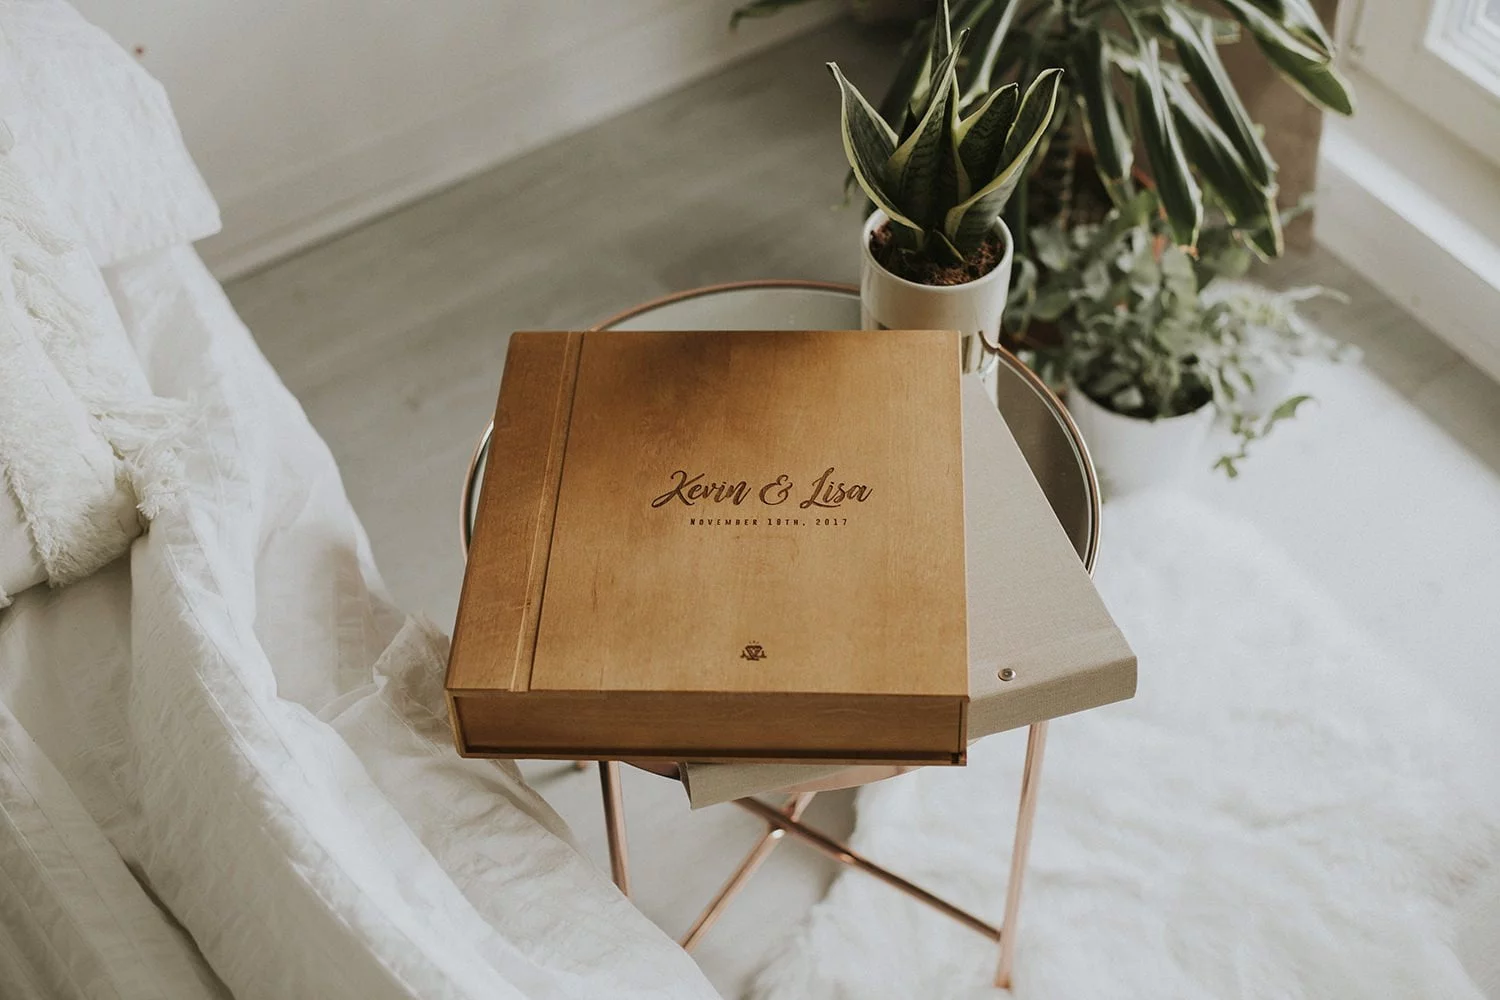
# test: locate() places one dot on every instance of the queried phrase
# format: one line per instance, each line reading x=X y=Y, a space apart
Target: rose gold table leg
x=753 y=860
x=845 y=856
x=614 y=823
x=1031 y=777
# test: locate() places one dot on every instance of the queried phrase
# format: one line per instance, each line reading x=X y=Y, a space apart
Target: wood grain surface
x=771 y=519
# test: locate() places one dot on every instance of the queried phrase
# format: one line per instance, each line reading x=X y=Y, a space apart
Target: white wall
x=1409 y=202
x=307 y=117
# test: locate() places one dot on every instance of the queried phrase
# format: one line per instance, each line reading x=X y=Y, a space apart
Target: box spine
x=494 y=642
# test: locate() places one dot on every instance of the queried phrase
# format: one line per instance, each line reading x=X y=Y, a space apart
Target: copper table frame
x=786 y=821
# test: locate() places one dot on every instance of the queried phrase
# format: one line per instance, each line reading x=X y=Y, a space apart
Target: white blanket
x=240 y=717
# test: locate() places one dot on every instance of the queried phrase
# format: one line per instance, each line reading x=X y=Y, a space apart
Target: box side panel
x=686 y=725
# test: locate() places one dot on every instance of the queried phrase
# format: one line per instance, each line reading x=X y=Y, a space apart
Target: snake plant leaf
x=1200 y=57
x=1033 y=117
x=911 y=72
x=1248 y=205
x=1318 y=81
x=1300 y=20
x=980 y=137
x=868 y=145
x=939 y=48
x=967 y=222
x=1179 y=193
x=1268 y=239
x=1269 y=29
x=1102 y=120
x=993 y=26
x=914 y=167
x=953 y=253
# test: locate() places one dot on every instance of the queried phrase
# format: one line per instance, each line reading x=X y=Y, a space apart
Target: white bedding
x=238 y=717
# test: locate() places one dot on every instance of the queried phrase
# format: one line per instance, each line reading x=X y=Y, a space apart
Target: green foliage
x=1183 y=111
x=944 y=177
x=1248 y=428
x=1148 y=331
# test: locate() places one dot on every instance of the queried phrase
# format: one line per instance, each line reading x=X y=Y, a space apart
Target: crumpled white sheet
x=262 y=737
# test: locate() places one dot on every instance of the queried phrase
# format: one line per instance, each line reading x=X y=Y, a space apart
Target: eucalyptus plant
x=942 y=177
x=1139 y=74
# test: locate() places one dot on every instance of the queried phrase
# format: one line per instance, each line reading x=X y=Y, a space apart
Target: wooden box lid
x=719 y=546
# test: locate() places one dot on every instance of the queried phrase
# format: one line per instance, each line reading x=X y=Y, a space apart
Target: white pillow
x=96 y=131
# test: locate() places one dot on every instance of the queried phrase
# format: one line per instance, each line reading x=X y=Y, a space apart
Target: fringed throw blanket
x=85 y=447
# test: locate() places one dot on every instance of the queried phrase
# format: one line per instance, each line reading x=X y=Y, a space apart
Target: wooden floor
x=392 y=336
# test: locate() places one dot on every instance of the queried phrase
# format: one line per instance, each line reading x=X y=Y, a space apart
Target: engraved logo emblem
x=753 y=651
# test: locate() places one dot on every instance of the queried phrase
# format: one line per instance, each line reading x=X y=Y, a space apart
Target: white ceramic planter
x=1133 y=454
x=974 y=309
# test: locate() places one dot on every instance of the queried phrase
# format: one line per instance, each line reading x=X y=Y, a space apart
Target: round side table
x=1056 y=454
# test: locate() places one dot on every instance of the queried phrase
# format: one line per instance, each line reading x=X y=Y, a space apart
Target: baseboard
x=524 y=106
x=1402 y=237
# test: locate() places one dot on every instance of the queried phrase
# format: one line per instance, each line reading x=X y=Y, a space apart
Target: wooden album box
x=719 y=546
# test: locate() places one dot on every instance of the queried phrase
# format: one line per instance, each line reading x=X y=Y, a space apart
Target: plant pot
x=974 y=308
x=1131 y=453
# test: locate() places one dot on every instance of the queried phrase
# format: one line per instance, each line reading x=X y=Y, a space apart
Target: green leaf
x=1200 y=57
x=1318 y=81
x=1227 y=465
x=868 y=145
x=1306 y=64
x=1102 y=120
x=1285 y=411
x=967 y=222
x=1175 y=186
x=914 y=166
x=1298 y=19
x=911 y=73
x=1267 y=28
x=1268 y=239
x=1050 y=246
x=1049 y=306
x=1248 y=205
x=1034 y=116
x=980 y=137
x=985 y=72
x=941 y=45
x=952 y=251
x=939 y=49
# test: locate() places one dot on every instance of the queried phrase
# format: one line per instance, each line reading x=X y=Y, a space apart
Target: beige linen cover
x=1032 y=608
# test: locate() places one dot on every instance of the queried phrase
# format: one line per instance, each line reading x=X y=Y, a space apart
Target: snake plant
x=1141 y=74
x=943 y=178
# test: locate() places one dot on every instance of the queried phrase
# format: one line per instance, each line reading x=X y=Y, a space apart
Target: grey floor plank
x=393 y=335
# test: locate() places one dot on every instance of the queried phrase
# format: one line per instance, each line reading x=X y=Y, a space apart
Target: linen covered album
x=719 y=546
